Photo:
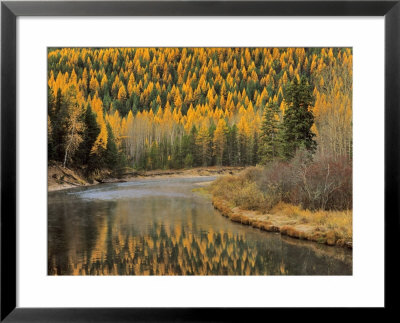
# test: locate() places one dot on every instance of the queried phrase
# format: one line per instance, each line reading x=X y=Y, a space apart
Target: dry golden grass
x=239 y=191
x=339 y=221
x=233 y=195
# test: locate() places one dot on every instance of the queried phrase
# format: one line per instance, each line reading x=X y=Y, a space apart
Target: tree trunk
x=69 y=145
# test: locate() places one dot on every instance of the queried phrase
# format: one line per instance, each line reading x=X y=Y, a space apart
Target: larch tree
x=219 y=141
x=94 y=85
x=122 y=96
x=203 y=143
x=100 y=145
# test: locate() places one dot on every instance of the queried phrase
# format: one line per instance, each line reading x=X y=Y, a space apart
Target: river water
x=165 y=227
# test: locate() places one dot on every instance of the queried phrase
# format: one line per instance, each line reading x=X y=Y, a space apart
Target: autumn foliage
x=152 y=108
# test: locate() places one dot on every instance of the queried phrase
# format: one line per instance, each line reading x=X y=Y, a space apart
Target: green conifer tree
x=90 y=133
x=298 y=119
x=269 y=142
x=111 y=153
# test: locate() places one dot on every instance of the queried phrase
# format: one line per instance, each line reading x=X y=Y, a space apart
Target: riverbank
x=59 y=178
x=325 y=227
x=291 y=221
x=295 y=200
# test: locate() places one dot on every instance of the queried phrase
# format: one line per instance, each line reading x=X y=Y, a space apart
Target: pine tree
x=298 y=119
x=58 y=117
x=243 y=138
x=232 y=146
x=189 y=148
x=111 y=154
x=90 y=133
x=177 y=158
x=269 y=143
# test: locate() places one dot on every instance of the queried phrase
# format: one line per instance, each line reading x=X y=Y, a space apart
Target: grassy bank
x=241 y=199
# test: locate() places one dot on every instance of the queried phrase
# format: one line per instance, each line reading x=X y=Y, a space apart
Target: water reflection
x=169 y=230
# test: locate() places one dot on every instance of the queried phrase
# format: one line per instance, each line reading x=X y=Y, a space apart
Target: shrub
x=240 y=191
x=320 y=184
x=324 y=183
x=249 y=196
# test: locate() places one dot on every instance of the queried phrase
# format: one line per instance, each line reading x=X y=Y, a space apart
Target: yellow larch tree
x=219 y=140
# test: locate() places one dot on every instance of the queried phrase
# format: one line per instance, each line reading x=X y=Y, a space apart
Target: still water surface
x=162 y=227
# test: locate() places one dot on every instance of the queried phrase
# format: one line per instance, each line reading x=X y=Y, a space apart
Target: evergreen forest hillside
x=172 y=108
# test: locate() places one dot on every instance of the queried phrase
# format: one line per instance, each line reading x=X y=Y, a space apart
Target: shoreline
x=57 y=182
x=284 y=225
x=278 y=223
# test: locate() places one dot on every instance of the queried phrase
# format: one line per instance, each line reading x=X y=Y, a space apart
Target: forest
x=172 y=108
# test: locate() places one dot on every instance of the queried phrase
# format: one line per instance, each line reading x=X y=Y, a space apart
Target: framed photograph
x=178 y=160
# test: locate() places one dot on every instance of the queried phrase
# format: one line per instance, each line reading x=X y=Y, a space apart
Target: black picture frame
x=11 y=10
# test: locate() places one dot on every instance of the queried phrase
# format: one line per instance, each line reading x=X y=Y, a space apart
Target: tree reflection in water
x=172 y=236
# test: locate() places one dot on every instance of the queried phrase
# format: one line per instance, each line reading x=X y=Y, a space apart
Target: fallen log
x=111 y=180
